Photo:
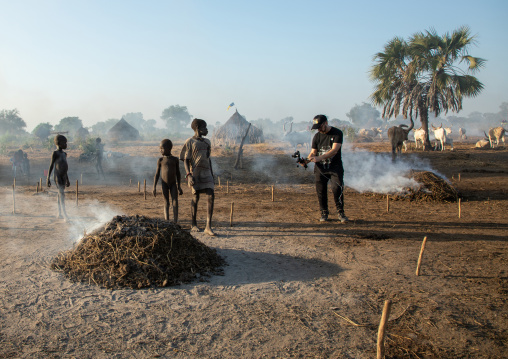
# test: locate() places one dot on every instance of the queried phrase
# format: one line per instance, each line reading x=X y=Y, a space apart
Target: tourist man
x=326 y=155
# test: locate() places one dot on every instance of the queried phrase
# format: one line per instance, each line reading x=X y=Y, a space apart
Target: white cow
x=373 y=132
x=496 y=134
x=419 y=136
x=440 y=134
x=462 y=133
x=484 y=142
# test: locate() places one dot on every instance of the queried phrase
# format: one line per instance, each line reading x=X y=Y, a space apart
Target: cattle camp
x=253 y=180
x=111 y=257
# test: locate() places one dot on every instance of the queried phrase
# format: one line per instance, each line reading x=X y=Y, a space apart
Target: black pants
x=337 y=183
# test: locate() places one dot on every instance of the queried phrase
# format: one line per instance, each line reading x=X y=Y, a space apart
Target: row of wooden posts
x=39 y=188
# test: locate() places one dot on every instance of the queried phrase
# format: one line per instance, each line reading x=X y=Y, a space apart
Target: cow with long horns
x=296 y=138
x=397 y=135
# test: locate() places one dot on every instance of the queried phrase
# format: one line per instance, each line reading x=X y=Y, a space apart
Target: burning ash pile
x=431 y=188
x=138 y=252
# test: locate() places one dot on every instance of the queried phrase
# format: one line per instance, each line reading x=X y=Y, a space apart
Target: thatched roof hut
x=122 y=131
x=233 y=130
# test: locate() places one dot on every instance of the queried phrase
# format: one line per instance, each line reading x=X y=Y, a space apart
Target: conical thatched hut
x=233 y=130
x=122 y=131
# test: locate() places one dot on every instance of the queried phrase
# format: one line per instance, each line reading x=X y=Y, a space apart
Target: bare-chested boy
x=199 y=174
x=168 y=168
x=59 y=162
x=99 y=151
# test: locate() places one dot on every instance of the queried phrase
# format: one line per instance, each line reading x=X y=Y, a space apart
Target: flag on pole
x=230 y=105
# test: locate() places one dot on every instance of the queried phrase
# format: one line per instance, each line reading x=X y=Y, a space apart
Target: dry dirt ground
x=293 y=287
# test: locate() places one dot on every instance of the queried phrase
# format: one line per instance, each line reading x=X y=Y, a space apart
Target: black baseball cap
x=318 y=121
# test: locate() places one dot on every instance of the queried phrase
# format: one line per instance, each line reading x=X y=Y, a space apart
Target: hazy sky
x=101 y=59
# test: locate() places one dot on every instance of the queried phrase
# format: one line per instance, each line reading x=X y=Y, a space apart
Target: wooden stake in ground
x=421 y=256
x=387 y=203
x=381 y=332
x=77 y=192
x=459 y=207
x=273 y=193
x=231 y=215
x=14 y=197
x=37 y=188
x=40 y=181
x=459 y=177
x=227 y=186
x=145 y=190
x=139 y=187
x=218 y=178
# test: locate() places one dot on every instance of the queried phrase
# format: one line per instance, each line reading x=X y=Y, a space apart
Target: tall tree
x=423 y=75
x=10 y=122
x=176 y=117
x=364 y=114
x=42 y=130
x=70 y=124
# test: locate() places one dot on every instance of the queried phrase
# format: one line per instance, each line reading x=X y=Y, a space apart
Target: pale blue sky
x=102 y=59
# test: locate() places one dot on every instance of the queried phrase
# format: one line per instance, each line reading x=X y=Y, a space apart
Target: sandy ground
x=293 y=287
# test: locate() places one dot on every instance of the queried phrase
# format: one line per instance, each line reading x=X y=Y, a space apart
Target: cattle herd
x=398 y=136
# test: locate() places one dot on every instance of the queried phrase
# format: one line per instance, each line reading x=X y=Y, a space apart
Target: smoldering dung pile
x=431 y=188
x=138 y=252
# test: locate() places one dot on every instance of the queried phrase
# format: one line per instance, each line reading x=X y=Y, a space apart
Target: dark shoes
x=343 y=218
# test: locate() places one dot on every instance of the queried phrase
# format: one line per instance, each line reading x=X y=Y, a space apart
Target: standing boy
x=99 y=150
x=59 y=162
x=199 y=174
x=168 y=168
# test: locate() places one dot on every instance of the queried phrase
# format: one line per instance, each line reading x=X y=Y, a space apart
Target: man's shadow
x=245 y=267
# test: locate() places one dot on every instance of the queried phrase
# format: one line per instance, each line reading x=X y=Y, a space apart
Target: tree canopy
x=176 y=117
x=364 y=115
x=11 y=122
x=70 y=124
x=423 y=75
x=43 y=130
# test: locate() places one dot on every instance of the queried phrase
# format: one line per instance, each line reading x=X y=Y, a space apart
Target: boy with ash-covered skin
x=99 y=149
x=168 y=168
x=59 y=162
x=199 y=174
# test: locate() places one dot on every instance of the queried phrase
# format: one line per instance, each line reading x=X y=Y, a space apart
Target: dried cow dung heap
x=138 y=252
x=431 y=188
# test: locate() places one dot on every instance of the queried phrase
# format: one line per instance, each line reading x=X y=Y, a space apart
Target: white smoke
x=91 y=216
x=366 y=171
x=85 y=218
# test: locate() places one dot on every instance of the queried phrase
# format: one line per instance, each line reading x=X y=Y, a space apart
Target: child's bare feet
x=209 y=231
x=194 y=229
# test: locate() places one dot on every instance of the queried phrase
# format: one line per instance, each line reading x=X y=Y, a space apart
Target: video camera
x=299 y=160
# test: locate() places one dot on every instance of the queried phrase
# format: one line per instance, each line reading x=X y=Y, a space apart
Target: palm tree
x=422 y=74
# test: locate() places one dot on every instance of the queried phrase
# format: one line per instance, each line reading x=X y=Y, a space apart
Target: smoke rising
x=92 y=215
x=38 y=212
x=366 y=171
